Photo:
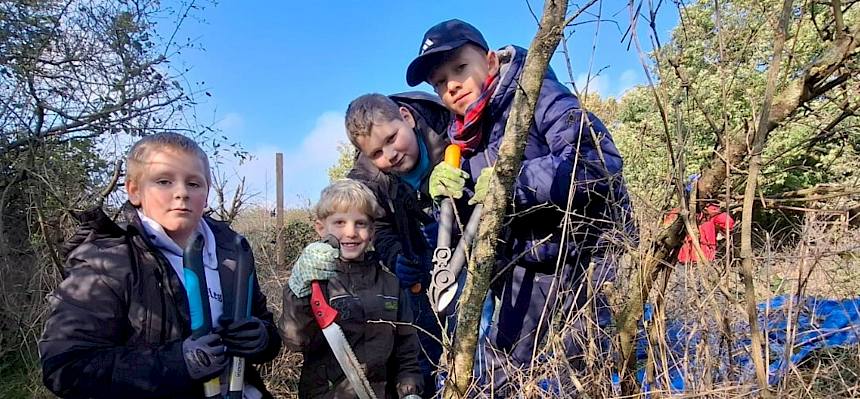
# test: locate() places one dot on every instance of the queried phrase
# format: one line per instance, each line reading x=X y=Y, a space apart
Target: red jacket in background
x=711 y=221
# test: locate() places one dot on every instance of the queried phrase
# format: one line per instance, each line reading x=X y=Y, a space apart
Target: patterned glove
x=481 y=186
x=447 y=181
x=317 y=262
x=205 y=357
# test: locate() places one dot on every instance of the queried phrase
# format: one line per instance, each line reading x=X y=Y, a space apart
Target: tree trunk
x=482 y=259
x=748 y=267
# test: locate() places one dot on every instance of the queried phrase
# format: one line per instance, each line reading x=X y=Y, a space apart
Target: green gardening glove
x=317 y=262
x=481 y=186
x=447 y=181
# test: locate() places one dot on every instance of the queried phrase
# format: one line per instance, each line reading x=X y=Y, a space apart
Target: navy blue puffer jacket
x=569 y=156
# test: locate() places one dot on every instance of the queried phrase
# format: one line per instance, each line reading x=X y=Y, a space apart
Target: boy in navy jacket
x=570 y=163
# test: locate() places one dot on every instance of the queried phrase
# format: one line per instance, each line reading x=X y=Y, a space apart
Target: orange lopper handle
x=452 y=157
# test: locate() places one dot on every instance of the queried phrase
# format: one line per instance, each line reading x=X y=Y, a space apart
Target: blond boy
x=373 y=311
x=120 y=321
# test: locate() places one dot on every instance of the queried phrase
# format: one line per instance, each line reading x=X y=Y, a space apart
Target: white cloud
x=232 y=124
x=305 y=166
x=598 y=84
x=629 y=78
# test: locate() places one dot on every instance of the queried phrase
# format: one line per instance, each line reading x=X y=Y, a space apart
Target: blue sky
x=282 y=73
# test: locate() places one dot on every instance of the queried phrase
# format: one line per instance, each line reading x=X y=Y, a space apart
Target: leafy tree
x=737 y=81
x=605 y=108
x=714 y=76
x=75 y=75
x=345 y=160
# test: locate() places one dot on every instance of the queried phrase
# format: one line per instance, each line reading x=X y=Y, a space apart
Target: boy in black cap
x=570 y=162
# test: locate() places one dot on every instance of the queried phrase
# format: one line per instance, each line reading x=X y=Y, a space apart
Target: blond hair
x=367 y=110
x=141 y=151
x=344 y=195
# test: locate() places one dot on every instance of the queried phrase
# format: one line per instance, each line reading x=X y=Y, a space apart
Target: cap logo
x=426 y=45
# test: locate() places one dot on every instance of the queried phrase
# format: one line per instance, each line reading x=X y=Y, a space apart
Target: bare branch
x=837 y=18
x=117 y=172
x=759 y=139
x=579 y=12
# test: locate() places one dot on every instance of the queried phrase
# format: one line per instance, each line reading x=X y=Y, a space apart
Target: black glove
x=243 y=338
x=205 y=357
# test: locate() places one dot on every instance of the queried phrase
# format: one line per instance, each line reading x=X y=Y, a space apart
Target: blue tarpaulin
x=816 y=323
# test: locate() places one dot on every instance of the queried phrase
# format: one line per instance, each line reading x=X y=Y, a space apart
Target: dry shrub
x=823 y=262
x=820 y=262
x=258 y=225
x=29 y=272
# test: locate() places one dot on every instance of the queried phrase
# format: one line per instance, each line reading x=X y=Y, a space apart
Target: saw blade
x=348 y=361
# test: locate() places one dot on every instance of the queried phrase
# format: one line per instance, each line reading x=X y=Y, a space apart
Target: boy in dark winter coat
x=374 y=312
x=570 y=162
x=120 y=321
x=400 y=139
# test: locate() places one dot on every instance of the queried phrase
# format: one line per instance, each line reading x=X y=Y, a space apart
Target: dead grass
x=282 y=375
x=710 y=296
x=823 y=262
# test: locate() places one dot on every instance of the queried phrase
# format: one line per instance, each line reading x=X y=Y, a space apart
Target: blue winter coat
x=560 y=150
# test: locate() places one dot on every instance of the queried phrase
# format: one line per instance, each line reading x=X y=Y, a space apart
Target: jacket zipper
x=165 y=292
x=160 y=280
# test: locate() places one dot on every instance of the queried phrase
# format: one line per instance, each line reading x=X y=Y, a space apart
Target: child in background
x=713 y=223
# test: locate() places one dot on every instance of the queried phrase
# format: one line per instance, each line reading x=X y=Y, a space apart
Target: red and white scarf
x=466 y=131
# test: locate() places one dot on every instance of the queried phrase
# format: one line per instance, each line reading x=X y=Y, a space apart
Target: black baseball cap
x=446 y=36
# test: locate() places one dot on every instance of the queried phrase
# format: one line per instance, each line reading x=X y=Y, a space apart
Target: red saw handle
x=323 y=313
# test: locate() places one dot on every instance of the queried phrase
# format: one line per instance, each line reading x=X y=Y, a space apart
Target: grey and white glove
x=205 y=357
x=317 y=262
